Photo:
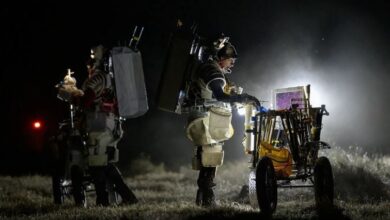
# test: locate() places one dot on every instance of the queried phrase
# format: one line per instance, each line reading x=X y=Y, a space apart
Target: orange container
x=281 y=158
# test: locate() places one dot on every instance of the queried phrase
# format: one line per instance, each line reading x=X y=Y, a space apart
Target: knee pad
x=206 y=177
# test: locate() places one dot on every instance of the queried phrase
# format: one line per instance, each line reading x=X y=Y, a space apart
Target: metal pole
x=138 y=38
x=71 y=117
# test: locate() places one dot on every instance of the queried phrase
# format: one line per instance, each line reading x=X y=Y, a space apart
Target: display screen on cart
x=285 y=97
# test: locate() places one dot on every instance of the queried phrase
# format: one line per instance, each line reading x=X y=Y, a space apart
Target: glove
x=262 y=109
x=248 y=98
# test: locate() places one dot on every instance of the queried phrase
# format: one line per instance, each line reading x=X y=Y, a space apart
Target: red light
x=37 y=125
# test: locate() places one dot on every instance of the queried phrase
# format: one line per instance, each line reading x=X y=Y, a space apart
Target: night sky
x=340 y=47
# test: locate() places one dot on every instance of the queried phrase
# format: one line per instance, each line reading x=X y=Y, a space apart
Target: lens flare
x=37 y=124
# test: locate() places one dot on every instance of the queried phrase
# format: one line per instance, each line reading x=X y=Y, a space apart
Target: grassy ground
x=361 y=188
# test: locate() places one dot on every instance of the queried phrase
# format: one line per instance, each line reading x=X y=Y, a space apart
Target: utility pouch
x=220 y=127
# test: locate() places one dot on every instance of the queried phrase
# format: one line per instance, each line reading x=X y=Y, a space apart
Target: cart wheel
x=252 y=189
x=58 y=192
x=56 y=162
x=78 y=189
x=323 y=184
x=113 y=197
x=266 y=187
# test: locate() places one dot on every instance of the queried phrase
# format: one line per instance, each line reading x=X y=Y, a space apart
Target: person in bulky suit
x=66 y=148
x=104 y=130
x=209 y=124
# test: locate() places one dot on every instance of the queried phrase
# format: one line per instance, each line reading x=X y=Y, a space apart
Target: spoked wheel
x=323 y=184
x=58 y=192
x=113 y=197
x=266 y=187
x=252 y=189
x=56 y=161
x=78 y=189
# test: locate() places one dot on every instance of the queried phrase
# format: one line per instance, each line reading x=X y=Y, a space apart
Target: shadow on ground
x=333 y=213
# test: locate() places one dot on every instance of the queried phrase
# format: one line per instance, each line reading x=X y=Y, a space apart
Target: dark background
x=340 y=47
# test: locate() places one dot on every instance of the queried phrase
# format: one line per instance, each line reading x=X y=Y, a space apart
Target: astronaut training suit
x=104 y=132
x=209 y=122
